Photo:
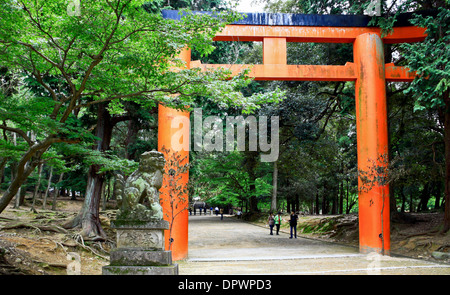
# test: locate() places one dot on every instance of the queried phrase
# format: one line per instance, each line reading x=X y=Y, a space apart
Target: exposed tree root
x=426 y=233
x=39 y=227
x=91 y=228
x=78 y=238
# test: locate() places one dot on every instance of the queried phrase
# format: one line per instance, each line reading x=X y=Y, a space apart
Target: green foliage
x=59 y=64
x=318 y=6
x=112 y=50
x=106 y=160
x=220 y=179
x=23 y=109
x=430 y=60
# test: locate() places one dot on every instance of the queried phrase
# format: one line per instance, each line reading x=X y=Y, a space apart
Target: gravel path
x=230 y=246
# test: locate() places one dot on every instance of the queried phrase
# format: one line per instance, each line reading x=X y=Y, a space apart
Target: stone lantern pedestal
x=140 y=250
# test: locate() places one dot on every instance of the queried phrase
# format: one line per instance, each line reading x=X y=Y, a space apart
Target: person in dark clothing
x=293 y=224
x=271 y=222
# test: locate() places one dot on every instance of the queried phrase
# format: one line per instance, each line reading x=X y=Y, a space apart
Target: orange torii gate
x=369 y=72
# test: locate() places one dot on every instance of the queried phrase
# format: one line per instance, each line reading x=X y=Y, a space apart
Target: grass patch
x=317 y=225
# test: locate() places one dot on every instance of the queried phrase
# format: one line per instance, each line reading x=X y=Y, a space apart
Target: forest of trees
x=79 y=98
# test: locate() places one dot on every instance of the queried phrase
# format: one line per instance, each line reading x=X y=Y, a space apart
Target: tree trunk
x=103 y=196
x=411 y=203
x=14 y=165
x=317 y=203
x=273 y=205
x=44 y=204
x=26 y=165
x=250 y=164
x=88 y=217
x=2 y=169
x=424 y=197
x=23 y=172
x=447 y=162
x=57 y=192
x=402 y=194
x=437 y=193
x=347 y=210
x=334 y=200
x=36 y=188
x=324 y=203
x=18 y=200
x=4 y=159
x=133 y=129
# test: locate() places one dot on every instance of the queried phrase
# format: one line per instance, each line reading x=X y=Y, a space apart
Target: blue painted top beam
x=314 y=20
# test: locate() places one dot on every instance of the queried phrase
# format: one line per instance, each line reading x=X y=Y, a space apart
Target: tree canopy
x=56 y=64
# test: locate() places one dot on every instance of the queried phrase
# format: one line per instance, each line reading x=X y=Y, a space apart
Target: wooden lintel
x=316 y=34
x=306 y=72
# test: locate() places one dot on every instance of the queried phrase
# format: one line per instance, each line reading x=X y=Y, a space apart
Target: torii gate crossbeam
x=369 y=72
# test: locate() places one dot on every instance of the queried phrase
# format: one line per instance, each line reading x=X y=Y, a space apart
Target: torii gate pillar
x=372 y=144
x=175 y=207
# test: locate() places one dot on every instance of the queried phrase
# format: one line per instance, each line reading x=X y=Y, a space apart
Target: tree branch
x=18 y=131
x=38 y=53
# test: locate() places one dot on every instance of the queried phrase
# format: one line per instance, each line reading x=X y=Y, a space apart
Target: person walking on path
x=221 y=213
x=271 y=223
x=239 y=213
x=293 y=224
x=278 y=221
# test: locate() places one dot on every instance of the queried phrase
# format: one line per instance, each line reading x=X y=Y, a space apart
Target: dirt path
x=230 y=246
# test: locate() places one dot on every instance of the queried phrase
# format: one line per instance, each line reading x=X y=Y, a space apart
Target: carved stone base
x=140 y=250
x=132 y=257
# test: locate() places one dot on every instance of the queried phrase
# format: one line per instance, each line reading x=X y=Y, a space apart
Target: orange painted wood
x=315 y=34
x=166 y=133
x=398 y=74
x=307 y=72
x=289 y=72
x=372 y=144
x=274 y=51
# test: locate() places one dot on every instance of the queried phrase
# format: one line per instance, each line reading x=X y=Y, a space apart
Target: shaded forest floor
x=35 y=243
